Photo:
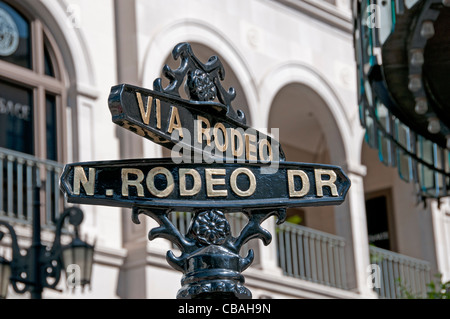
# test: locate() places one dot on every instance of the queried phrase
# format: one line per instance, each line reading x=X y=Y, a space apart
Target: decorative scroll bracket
x=210 y=259
x=202 y=81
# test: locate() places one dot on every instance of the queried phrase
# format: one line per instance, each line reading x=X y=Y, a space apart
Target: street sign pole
x=219 y=166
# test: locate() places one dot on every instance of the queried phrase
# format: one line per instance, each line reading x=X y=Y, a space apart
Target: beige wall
x=412 y=221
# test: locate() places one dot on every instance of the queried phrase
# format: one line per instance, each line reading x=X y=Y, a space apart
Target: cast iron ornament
x=210 y=228
x=202 y=81
x=209 y=259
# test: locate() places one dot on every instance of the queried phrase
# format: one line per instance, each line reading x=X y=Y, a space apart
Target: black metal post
x=36 y=245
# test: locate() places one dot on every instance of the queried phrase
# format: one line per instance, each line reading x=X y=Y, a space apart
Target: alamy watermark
x=374 y=278
x=73 y=16
x=73 y=276
x=373 y=16
x=218 y=144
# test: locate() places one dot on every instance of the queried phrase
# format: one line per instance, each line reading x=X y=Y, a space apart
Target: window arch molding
x=72 y=84
x=70 y=41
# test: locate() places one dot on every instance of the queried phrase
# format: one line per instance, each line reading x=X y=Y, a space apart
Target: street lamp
x=81 y=254
x=40 y=267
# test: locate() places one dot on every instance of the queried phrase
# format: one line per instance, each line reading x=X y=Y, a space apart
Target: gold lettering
x=203 y=131
x=145 y=114
x=151 y=182
x=126 y=183
x=175 y=122
x=322 y=183
x=210 y=182
x=224 y=146
x=240 y=151
x=305 y=183
x=250 y=147
x=197 y=182
x=262 y=143
x=79 y=177
x=251 y=177
x=158 y=114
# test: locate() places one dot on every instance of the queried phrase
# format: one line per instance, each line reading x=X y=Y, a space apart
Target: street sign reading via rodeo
x=218 y=166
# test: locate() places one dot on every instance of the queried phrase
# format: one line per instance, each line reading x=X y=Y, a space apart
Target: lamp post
x=5 y=273
x=41 y=263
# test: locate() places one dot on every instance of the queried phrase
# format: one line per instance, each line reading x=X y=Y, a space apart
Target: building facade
x=292 y=63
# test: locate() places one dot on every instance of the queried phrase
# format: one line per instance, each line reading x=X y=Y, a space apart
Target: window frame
x=41 y=84
x=386 y=192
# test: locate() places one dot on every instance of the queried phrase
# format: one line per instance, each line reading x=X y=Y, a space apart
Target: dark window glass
x=15 y=43
x=377 y=222
x=49 y=70
x=16 y=118
x=50 y=111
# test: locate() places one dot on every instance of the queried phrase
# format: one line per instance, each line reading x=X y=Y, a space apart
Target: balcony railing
x=312 y=255
x=398 y=272
x=18 y=174
x=318 y=257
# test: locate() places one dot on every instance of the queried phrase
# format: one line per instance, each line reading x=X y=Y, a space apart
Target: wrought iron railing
x=311 y=255
x=19 y=174
x=399 y=274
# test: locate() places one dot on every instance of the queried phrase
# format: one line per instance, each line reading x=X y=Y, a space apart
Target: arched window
x=32 y=115
x=31 y=86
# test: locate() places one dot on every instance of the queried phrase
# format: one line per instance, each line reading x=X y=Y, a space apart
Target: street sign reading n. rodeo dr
x=162 y=183
x=236 y=173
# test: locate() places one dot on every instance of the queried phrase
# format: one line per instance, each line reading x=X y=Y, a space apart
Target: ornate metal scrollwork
x=202 y=81
x=211 y=228
x=210 y=255
x=210 y=259
x=200 y=86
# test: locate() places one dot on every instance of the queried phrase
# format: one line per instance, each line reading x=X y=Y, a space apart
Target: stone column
x=351 y=224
